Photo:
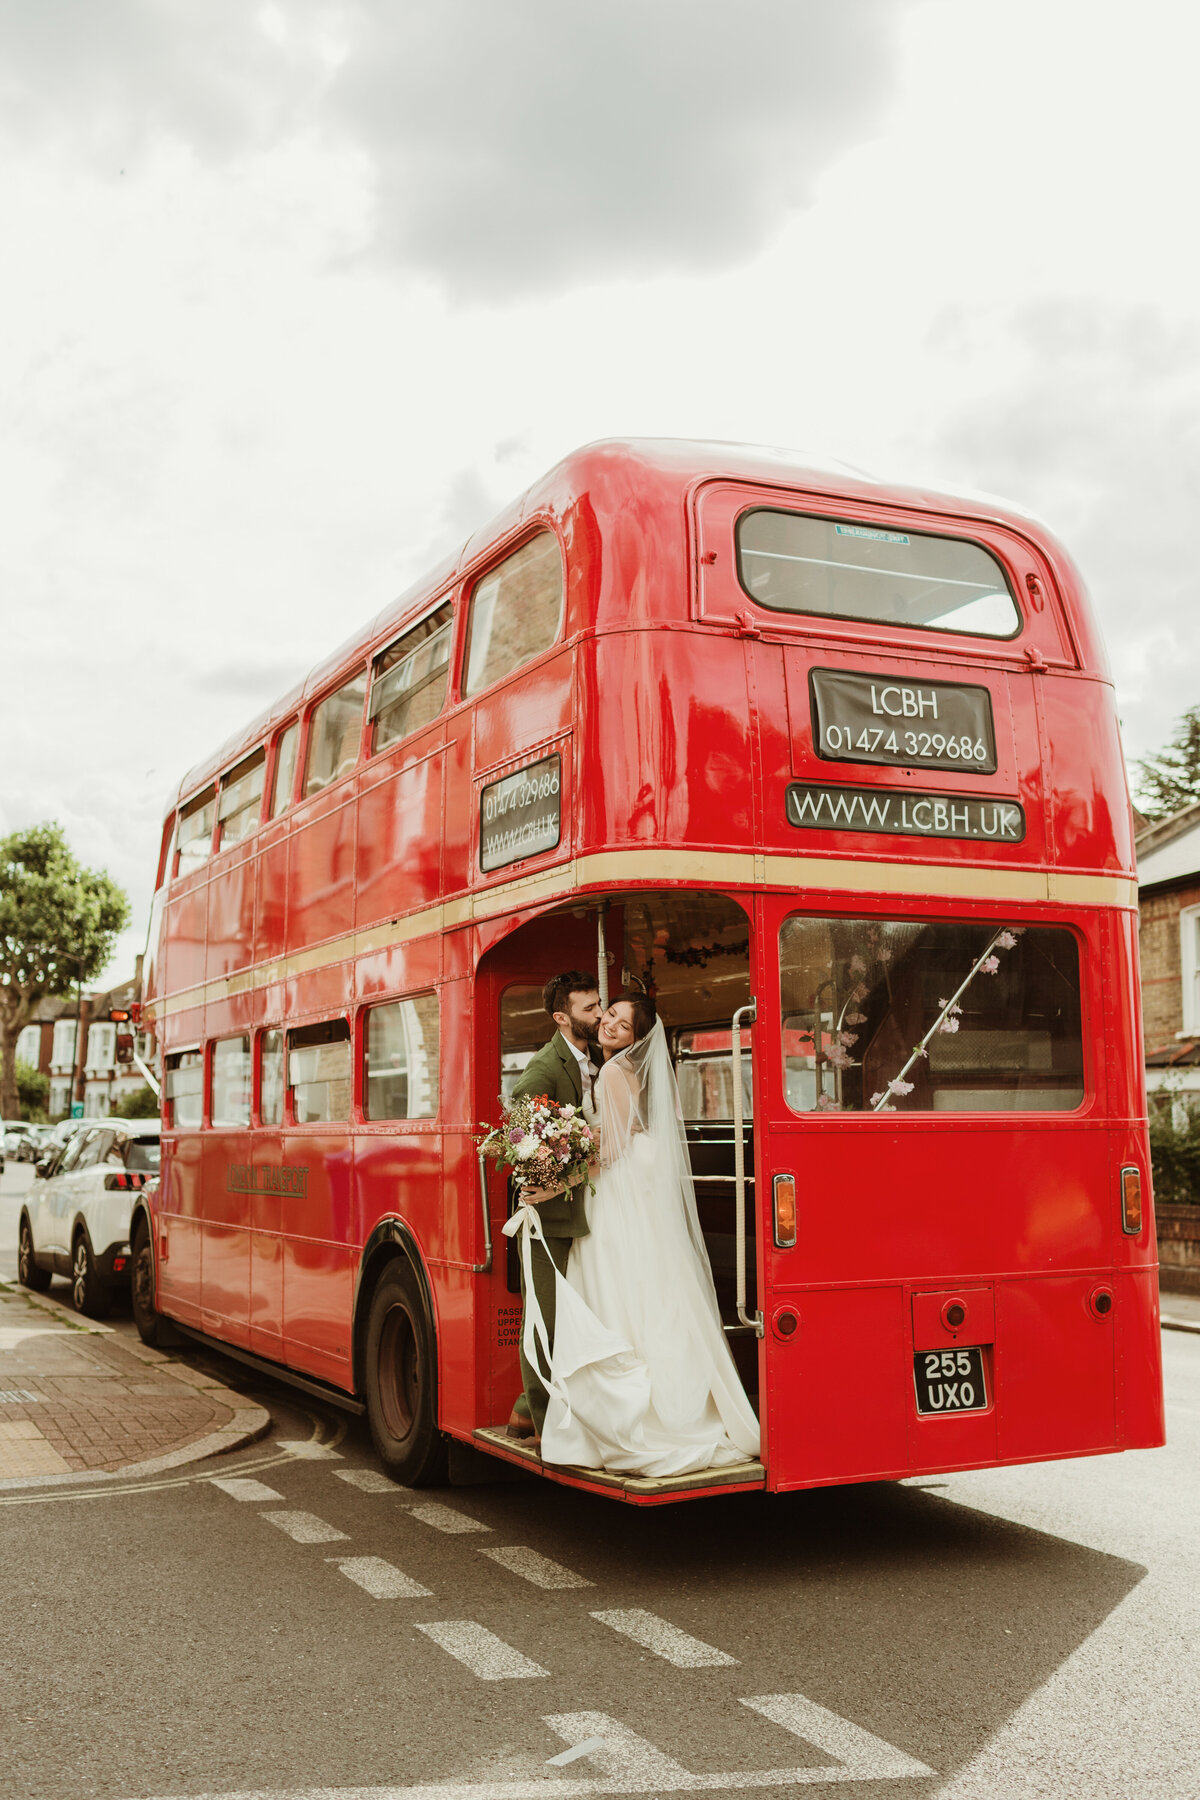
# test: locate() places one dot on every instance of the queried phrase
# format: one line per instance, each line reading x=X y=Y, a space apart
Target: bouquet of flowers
x=543 y=1143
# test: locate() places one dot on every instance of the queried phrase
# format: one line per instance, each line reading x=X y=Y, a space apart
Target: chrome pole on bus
x=485 y=1267
x=749 y=1013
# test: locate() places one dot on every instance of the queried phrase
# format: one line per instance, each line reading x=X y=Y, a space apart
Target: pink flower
x=900 y=1087
x=837 y=1058
x=949 y=1024
x=991 y=965
x=877 y=1096
x=858 y=993
x=1007 y=941
x=846 y=1038
x=857 y=966
x=856 y=1018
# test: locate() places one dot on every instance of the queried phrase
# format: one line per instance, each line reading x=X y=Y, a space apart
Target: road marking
x=308 y=1450
x=629 y=1764
x=304 y=1527
x=241 y=1487
x=865 y=1756
x=539 y=1569
x=482 y=1651
x=369 y=1480
x=673 y=1645
x=379 y=1578
x=445 y=1518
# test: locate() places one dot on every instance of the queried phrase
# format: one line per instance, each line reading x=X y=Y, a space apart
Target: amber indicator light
x=785 y=1211
x=1131 y=1201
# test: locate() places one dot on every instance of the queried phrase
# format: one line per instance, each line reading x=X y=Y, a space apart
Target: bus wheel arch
x=395 y=1355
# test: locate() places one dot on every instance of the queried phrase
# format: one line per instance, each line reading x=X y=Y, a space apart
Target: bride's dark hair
x=644 y=1015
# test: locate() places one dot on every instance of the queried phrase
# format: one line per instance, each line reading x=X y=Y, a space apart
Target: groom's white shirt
x=586 y=1072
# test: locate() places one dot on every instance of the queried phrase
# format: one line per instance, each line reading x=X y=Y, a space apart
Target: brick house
x=1168 y=858
x=101 y=1075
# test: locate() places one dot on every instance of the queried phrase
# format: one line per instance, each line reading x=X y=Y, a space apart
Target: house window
x=101 y=1048
x=1189 y=967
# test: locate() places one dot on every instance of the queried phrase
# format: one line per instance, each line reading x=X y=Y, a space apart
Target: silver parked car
x=75 y=1218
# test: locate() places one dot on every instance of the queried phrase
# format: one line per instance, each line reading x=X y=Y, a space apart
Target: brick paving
x=73 y=1398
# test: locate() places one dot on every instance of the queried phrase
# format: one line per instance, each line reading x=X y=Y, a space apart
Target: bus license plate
x=950 y=1381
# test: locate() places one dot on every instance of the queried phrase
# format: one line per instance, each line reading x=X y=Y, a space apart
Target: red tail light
x=785 y=1211
x=1131 y=1201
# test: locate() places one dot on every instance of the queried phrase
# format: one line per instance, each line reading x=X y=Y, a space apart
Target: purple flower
x=516 y=1135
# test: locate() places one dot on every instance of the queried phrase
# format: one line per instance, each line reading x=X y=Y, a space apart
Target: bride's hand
x=536 y=1195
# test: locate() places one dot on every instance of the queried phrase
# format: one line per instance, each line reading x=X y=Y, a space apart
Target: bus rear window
x=929 y=1016
x=840 y=569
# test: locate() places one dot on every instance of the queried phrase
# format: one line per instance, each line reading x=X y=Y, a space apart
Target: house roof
x=1169 y=850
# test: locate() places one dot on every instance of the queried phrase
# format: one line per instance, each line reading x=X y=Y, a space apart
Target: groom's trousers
x=543 y=1286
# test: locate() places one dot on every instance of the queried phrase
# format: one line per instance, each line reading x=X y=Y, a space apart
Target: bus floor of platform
x=750 y=1473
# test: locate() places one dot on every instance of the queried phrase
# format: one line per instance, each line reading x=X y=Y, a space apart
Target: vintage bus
x=832 y=769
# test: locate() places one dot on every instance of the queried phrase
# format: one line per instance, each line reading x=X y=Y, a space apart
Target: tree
x=58 y=925
x=1172 y=778
x=33 y=1092
x=140 y=1103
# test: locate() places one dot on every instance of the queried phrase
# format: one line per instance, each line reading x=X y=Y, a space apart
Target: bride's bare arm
x=620 y=1093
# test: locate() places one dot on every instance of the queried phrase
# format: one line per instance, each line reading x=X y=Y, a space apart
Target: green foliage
x=141 y=1103
x=1172 y=778
x=33 y=1094
x=58 y=924
x=1175 y=1152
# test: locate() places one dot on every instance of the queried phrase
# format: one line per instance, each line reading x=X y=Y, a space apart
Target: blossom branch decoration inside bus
x=898 y=1088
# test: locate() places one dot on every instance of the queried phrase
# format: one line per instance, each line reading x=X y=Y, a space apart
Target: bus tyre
x=28 y=1273
x=401 y=1379
x=141 y=1288
x=89 y=1294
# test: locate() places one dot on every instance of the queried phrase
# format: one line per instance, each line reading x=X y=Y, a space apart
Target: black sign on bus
x=815 y=808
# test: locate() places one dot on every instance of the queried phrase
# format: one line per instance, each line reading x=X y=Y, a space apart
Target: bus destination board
x=521 y=815
x=815 y=808
x=910 y=724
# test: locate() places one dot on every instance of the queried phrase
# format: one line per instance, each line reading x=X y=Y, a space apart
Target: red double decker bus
x=831 y=768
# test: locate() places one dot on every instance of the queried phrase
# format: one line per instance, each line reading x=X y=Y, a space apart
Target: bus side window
x=240 y=806
x=319 y=1072
x=231 y=1081
x=516 y=611
x=285 y=768
x=400 y=1047
x=334 y=734
x=408 y=687
x=193 y=842
x=183 y=1092
x=270 y=1076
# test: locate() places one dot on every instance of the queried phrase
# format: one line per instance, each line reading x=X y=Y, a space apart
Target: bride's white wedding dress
x=642 y=1380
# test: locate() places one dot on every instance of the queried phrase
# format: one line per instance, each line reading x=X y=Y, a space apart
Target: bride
x=641 y=1378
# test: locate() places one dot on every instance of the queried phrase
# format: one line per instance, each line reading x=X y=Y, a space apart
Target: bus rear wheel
x=141 y=1287
x=401 y=1380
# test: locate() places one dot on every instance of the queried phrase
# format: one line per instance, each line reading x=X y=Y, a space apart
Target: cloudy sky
x=297 y=294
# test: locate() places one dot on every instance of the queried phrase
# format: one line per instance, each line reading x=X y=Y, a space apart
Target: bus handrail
x=485 y=1267
x=749 y=1013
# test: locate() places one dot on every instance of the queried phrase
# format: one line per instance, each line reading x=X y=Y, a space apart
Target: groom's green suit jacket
x=555 y=1072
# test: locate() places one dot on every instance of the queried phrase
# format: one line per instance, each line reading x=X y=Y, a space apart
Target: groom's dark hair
x=558 y=990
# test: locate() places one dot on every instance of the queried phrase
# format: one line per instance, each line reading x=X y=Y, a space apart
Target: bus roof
x=613 y=473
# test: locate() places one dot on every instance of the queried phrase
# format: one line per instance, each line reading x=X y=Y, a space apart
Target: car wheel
x=28 y=1273
x=401 y=1379
x=89 y=1294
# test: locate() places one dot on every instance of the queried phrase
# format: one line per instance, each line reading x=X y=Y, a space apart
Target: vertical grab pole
x=602 y=958
x=485 y=1267
x=754 y=1320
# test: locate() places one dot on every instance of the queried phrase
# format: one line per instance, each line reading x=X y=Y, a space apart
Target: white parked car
x=19 y=1139
x=75 y=1218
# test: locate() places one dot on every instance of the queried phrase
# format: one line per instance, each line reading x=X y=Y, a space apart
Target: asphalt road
x=1028 y=1632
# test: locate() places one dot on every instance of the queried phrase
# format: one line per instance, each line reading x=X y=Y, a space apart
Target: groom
x=564 y=1070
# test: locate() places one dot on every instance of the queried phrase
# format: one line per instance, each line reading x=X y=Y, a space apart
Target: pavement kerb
x=247 y=1424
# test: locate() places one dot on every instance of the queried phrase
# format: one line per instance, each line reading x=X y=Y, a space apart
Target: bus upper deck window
x=839 y=569
x=285 y=769
x=408 y=688
x=516 y=610
x=241 y=800
x=193 y=843
x=401 y=1073
x=318 y=1071
x=334 y=735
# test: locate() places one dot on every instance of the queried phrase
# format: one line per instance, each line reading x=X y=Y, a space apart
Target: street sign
x=77 y=1109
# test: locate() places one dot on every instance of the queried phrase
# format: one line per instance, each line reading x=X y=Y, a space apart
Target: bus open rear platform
x=641 y=1490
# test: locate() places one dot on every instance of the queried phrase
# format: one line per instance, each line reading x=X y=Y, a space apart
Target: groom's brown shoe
x=520 y=1425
